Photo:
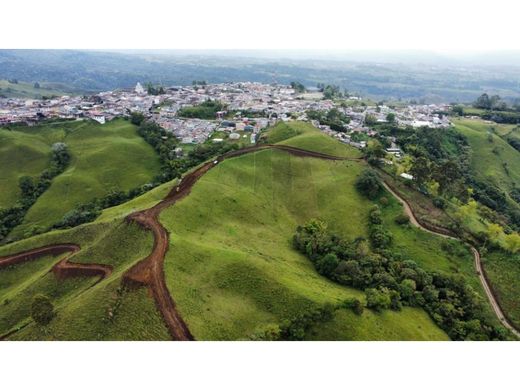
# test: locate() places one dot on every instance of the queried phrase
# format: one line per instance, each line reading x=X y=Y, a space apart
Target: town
x=249 y=108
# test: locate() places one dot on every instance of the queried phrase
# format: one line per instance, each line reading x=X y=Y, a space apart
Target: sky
x=451 y=26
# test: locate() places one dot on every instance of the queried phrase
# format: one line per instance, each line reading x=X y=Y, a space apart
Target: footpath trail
x=476 y=255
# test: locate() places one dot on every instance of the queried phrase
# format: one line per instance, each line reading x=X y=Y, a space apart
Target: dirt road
x=476 y=255
x=64 y=268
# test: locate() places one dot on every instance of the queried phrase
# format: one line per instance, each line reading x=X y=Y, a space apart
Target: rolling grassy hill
x=21 y=154
x=231 y=267
x=28 y=91
x=492 y=159
x=83 y=307
x=305 y=136
x=103 y=158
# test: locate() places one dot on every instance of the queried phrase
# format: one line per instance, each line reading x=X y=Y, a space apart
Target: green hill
x=103 y=158
x=29 y=91
x=83 y=307
x=492 y=158
x=231 y=267
x=21 y=154
x=305 y=136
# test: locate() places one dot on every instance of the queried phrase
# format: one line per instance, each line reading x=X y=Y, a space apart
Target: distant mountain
x=380 y=75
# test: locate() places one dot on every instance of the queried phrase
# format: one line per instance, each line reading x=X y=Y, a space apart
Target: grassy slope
x=304 y=135
x=82 y=310
x=434 y=253
x=388 y=325
x=231 y=268
x=503 y=270
x=20 y=154
x=485 y=163
x=27 y=90
x=104 y=158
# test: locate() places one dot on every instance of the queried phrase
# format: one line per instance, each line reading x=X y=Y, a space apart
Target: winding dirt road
x=476 y=256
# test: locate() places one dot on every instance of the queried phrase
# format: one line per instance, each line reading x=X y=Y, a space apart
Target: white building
x=139 y=89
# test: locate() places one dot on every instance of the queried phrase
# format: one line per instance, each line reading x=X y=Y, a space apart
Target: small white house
x=406 y=176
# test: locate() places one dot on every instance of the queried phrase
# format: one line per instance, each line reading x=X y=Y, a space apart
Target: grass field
x=408 y=324
x=103 y=158
x=305 y=136
x=231 y=267
x=82 y=310
x=27 y=90
x=492 y=159
x=21 y=154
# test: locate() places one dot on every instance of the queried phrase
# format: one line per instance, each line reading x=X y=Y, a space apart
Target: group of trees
x=390 y=281
x=330 y=92
x=205 y=110
x=32 y=189
x=496 y=109
x=440 y=161
x=154 y=90
x=487 y=102
x=298 y=87
x=333 y=118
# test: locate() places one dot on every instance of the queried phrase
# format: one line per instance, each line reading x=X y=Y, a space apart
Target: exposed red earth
x=149 y=271
x=64 y=268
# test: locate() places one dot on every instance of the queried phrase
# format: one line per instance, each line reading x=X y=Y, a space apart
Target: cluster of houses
x=254 y=106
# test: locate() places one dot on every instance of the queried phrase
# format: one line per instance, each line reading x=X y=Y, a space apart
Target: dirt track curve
x=63 y=268
x=476 y=256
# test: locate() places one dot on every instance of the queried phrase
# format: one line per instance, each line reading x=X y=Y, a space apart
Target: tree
x=421 y=170
x=327 y=264
x=136 y=118
x=483 y=102
x=370 y=120
x=36 y=85
x=42 y=309
x=512 y=242
x=368 y=184
x=494 y=231
x=390 y=117
x=378 y=299
x=26 y=185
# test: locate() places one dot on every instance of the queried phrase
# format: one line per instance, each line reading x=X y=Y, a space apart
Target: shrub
x=369 y=184
x=402 y=219
x=354 y=304
x=378 y=300
x=42 y=309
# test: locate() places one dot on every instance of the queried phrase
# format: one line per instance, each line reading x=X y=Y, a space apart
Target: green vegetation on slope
x=21 y=154
x=104 y=311
x=503 y=272
x=305 y=136
x=231 y=267
x=492 y=159
x=103 y=158
x=25 y=90
x=408 y=324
